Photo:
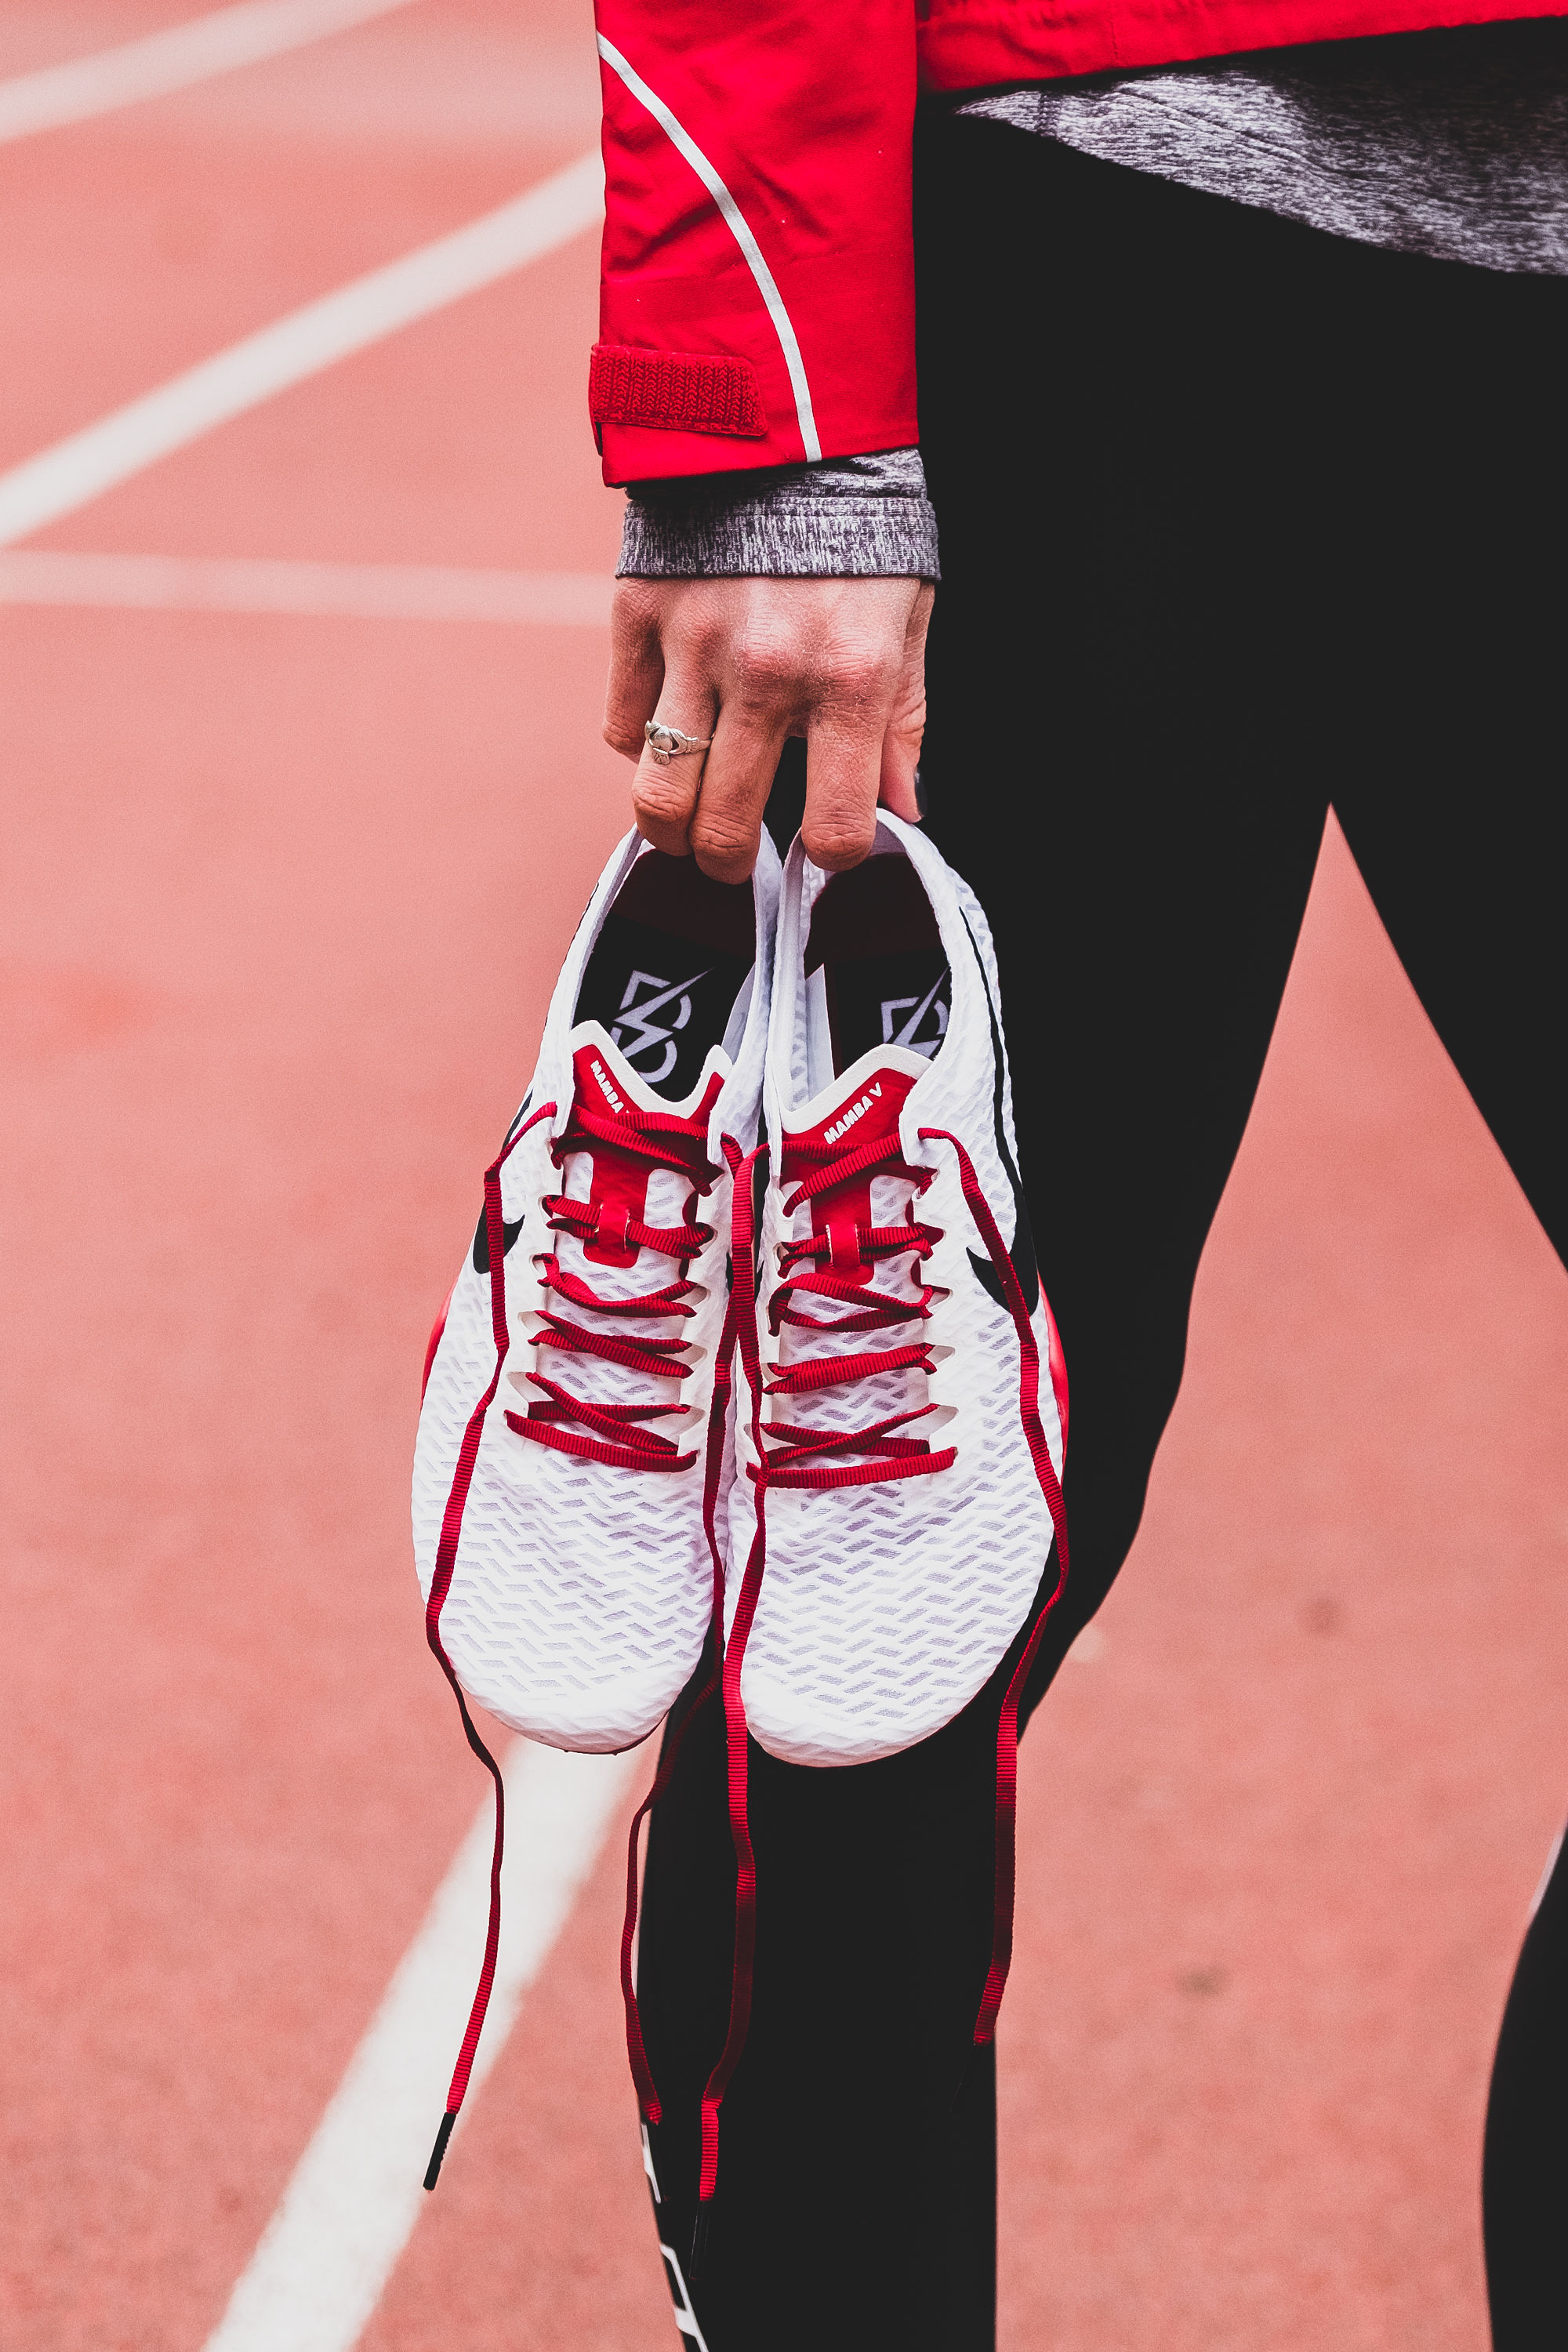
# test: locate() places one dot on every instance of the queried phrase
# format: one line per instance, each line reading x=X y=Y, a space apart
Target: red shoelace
x=441 y=1584
x=788 y=1464
x=609 y=1225
x=613 y=1229
x=742 y=1170
x=830 y=1174
x=1006 y=1816
x=843 y=1251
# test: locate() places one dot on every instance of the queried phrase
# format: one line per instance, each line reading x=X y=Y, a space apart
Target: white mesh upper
x=884 y=1607
x=582 y=1592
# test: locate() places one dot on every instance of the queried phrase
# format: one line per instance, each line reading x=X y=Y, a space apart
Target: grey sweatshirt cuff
x=845 y=517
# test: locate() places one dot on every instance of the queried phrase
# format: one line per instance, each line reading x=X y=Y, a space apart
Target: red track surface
x=283 y=903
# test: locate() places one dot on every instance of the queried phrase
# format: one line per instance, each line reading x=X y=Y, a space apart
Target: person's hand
x=749 y=663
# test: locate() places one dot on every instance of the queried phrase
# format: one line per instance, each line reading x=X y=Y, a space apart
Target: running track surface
x=284 y=901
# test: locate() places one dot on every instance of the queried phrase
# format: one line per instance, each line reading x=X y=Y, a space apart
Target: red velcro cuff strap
x=679 y=392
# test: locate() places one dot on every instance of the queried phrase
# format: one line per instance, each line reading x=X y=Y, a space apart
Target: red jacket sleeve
x=757 y=289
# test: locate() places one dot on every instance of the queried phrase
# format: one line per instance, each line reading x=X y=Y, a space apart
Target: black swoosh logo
x=482 y=1241
x=481 y=1252
x=1022 y=1250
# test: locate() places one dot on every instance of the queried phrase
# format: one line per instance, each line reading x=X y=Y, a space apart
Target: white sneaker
x=565 y=1446
x=912 y=1449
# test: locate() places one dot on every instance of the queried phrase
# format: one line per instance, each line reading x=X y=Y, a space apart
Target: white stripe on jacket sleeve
x=736 y=222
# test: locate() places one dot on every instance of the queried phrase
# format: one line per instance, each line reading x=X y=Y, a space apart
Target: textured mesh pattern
x=884 y=1607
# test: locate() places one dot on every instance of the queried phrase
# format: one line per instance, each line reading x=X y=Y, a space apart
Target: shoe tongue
x=605 y=1081
x=635 y=1183
x=861 y=1108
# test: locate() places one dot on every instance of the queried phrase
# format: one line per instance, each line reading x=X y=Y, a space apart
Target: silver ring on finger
x=668 y=744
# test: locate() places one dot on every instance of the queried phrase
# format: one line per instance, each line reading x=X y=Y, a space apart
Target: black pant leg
x=1121 y=752
x=855 y=2198
x=1107 y=766
x=1453 y=802
x=1451 y=786
x=1219 y=501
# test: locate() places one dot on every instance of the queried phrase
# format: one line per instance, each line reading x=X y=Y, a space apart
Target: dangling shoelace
x=843 y=1253
x=740 y=1325
x=742 y=1170
x=1006 y=1818
x=833 y=1172
x=440 y=1585
x=625 y=1154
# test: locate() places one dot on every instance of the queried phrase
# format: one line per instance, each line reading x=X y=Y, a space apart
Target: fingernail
x=919 y=793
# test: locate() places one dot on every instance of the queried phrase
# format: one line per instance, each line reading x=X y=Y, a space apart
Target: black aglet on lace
x=699 y=2241
x=433 y=2172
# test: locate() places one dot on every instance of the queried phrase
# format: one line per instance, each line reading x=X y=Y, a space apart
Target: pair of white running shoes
x=751 y=1341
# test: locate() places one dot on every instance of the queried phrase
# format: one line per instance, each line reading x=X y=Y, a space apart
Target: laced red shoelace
x=842 y=1253
x=612 y=1230
x=830 y=1174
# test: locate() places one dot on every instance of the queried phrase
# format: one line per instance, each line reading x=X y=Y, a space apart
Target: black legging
x=1238 y=519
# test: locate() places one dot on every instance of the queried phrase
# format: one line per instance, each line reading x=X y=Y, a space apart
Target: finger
x=636 y=666
x=905 y=728
x=665 y=792
x=736 y=782
x=843 y=769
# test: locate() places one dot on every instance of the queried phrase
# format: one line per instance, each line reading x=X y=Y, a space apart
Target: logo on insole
x=636 y=1034
x=897 y=1032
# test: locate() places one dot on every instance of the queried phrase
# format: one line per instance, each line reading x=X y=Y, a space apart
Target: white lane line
x=59 y=480
x=363 y=592
x=356 y=2192
x=173 y=60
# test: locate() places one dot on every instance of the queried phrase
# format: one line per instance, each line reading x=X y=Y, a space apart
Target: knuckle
x=636 y=607
x=722 y=840
x=723 y=857
x=659 y=801
x=839 y=841
x=855 y=675
x=765 y=666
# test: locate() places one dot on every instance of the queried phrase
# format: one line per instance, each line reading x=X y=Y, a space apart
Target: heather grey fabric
x=848 y=517
x=1452 y=143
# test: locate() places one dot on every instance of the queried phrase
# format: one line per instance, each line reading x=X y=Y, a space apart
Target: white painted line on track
x=347 y=2213
x=360 y=592
x=173 y=60
x=59 y=480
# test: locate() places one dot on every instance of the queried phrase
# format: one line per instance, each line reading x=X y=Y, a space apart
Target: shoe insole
x=667 y=968
x=874 y=938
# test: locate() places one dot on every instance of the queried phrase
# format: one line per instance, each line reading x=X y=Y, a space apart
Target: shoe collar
x=736 y=1106
x=789 y=1109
